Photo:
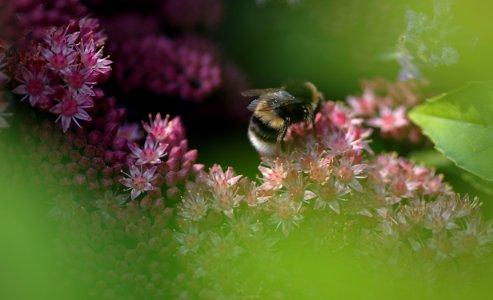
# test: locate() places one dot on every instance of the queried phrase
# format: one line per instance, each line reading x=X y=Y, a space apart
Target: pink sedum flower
x=92 y=59
x=138 y=181
x=72 y=107
x=390 y=120
x=59 y=61
x=35 y=85
x=273 y=176
x=219 y=178
x=365 y=105
x=224 y=189
x=348 y=173
x=150 y=154
x=79 y=80
x=341 y=116
x=158 y=128
x=59 y=40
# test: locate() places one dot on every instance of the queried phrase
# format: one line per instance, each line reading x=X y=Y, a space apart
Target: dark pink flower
x=79 y=80
x=72 y=107
x=34 y=85
x=59 y=39
x=93 y=60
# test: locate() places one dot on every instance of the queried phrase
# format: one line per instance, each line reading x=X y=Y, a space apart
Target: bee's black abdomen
x=262 y=130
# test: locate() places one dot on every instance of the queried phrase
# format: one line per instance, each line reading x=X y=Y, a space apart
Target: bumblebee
x=274 y=110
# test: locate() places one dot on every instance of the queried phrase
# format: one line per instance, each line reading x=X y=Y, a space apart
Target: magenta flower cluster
x=164 y=49
x=60 y=74
x=25 y=20
x=172 y=67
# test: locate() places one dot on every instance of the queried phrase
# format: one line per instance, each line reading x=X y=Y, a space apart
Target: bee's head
x=300 y=90
x=308 y=93
x=304 y=90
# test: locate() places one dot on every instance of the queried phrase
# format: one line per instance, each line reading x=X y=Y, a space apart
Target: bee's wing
x=258 y=92
x=259 y=95
x=253 y=105
x=277 y=100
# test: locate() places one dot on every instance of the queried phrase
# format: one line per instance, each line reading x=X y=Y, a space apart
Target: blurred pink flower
x=390 y=120
x=364 y=105
x=130 y=132
x=192 y=14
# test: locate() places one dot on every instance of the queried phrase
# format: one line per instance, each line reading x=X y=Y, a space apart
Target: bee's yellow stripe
x=268 y=116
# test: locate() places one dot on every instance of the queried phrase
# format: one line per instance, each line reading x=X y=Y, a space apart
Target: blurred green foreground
x=30 y=269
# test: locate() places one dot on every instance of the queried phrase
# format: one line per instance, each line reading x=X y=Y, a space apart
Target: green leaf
x=460 y=123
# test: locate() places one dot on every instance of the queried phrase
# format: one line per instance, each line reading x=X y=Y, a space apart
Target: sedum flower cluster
x=331 y=190
x=33 y=18
x=163 y=161
x=188 y=70
x=60 y=74
x=383 y=105
x=165 y=50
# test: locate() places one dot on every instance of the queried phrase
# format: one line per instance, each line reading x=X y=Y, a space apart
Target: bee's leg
x=314 y=127
x=280 y=145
